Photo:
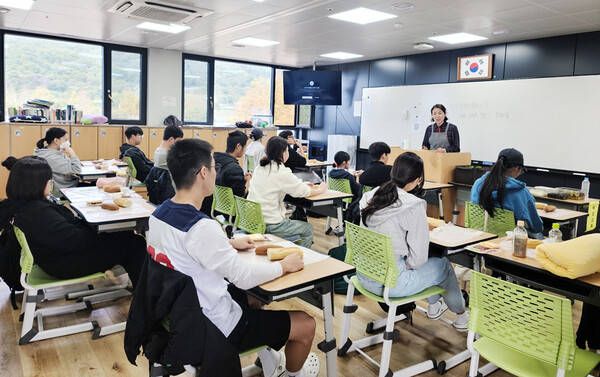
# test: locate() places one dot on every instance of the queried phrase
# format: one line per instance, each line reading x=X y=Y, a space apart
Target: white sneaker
x=311 y=365
x=462 y=326
x=435 y=316
x=280 y=368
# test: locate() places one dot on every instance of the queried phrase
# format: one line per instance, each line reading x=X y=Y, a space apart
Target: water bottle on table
x=585 y=187
x=520 y=240
x=555 y=235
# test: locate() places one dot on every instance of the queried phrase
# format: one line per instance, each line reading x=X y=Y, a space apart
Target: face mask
x=65 y=144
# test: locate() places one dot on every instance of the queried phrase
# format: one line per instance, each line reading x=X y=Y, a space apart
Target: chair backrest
x=342 y=185
x=372 y=254
x=477 y=218
x=249 y=217
x=249 y=163
x=366 y=188
x=130 y=166
x=533 y=323
x=26 y=260
x=223 y=200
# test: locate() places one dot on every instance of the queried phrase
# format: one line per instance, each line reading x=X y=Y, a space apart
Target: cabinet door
x=219 y=139
x=23 y=139
x=188 y=133
x=270 y=134
x=84 y=141
x=4 y=153
x=145 y=145
x=155 y=136
x=109 y=141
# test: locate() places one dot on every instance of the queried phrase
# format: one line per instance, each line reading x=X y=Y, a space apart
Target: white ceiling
x=305 y=31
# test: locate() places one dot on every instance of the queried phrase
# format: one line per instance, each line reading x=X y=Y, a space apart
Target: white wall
x=164 y=80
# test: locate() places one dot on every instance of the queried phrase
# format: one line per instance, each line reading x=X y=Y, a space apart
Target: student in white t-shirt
x=255 y=149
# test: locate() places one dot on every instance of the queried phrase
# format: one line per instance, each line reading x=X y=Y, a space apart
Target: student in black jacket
x=296 y=161
x=341 y=163
x=134 y=135
x=63 y=245
x=231 y=173
x=378 y=173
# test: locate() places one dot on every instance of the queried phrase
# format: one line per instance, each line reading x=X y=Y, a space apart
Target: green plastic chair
x=34 y=279
x=372 y=255
x=249 y=163
x=477 y=218
x=342 y=185
x=523 y=331
x=132 y=181
x=249 y=217
x=223 y=202
x=366 y=189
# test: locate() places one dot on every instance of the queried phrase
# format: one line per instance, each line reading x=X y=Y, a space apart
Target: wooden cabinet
x=155 y=135
x=4 y=153
x=145 y=145
x=84 y=141
x=109 y=141
x=188 y=133
x=23 y=139
x=270 y=133
x=218 y=138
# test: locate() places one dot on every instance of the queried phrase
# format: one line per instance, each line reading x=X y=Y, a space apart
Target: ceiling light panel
x=457 y=38
x=171 y=28
x=362 y=16
x=341 y=55
x=256 y=42
x=18 y=4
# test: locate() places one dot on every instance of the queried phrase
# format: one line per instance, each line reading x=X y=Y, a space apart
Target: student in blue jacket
x=500 y=188
x=341 y=163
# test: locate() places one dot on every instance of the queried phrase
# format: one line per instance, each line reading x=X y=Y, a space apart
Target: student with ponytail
x=56 y=149
x=394 y=209
x=341 y=163
x=500 y=188
x=271 y=182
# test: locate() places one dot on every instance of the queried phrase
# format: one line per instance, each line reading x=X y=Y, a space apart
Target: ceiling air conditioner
x=158 y=11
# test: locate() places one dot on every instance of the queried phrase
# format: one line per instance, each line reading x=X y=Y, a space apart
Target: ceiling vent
x=158 y=11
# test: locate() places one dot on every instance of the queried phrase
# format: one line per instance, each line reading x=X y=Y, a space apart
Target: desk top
x=570 y=201
x=435 y=186
x=94 y=215
x=453 y=237
x=85 y=194
x=318 y=164
x=109 y=162
x=87 y=170
x=561 y=214
x=329 y=194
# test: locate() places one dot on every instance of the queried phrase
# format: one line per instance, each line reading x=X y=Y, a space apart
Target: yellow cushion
x=573 y=258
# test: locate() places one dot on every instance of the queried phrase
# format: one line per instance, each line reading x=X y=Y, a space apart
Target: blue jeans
x=436 y=271
x=288 y=228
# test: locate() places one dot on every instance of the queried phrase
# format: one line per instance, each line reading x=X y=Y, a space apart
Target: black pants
x=124 y=248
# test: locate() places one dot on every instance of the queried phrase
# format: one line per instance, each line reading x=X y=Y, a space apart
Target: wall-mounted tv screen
x=312 y=87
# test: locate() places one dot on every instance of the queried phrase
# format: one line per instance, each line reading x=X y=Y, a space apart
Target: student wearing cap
x=255 y=149
x=500 y=188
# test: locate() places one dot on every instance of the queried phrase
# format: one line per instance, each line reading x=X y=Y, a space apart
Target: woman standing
x=56 y=149
x=394 y=210
x=441 y=136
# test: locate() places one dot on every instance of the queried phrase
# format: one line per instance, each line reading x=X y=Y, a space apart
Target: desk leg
x=328 y=345
x=441 y=204
x=340 y=218
x=574 y=230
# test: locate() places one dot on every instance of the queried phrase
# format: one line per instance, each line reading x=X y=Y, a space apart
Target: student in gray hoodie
x=56 y=149
x=393 y=209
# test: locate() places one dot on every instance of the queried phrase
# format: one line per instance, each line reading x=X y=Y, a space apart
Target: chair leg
x=473 y=368
x=386 y=352
x=345 y=342
x=28 y=311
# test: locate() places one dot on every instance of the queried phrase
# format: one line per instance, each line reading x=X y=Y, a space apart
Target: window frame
x=210 y=101
x=106 y=64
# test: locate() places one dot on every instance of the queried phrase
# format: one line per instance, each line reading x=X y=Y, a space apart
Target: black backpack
x=159 y=185
x=10 y=267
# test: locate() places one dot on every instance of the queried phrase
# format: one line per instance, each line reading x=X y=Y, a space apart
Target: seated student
x=158 y=182
x=63 y=245
x=170 y=135
x=378 y=173
x=231 y=173
x=297 y=161
x=394 y=210
x=134 y=135
x=195 y=245
x=341 y=162
x=500 y=188
x=60 y=156
x=255 y=149
x=271 y=182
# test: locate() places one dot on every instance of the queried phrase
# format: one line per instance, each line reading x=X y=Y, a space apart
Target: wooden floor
x=78 y=355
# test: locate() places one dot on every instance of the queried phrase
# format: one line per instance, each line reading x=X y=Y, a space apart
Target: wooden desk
x=328 y=204
x=317 y=279
x=90 y=173
x=563 y=216
x=437 y=188
x=437 y=238
x=85 y=194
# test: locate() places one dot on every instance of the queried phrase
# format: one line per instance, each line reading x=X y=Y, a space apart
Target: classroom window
x=196 y=91
x=126 y=80
x=241 y=91
x=64 y=72
x=283 y=115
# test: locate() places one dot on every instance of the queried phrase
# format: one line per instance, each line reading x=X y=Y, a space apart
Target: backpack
x=10 y=266
x=339 y=284
x=159 y=185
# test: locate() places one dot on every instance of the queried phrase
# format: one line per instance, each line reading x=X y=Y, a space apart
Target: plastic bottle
x=585 y=187
x=555 y=235
x=520 y=240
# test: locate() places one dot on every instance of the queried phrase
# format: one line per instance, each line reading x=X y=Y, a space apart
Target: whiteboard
x=555 y=122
